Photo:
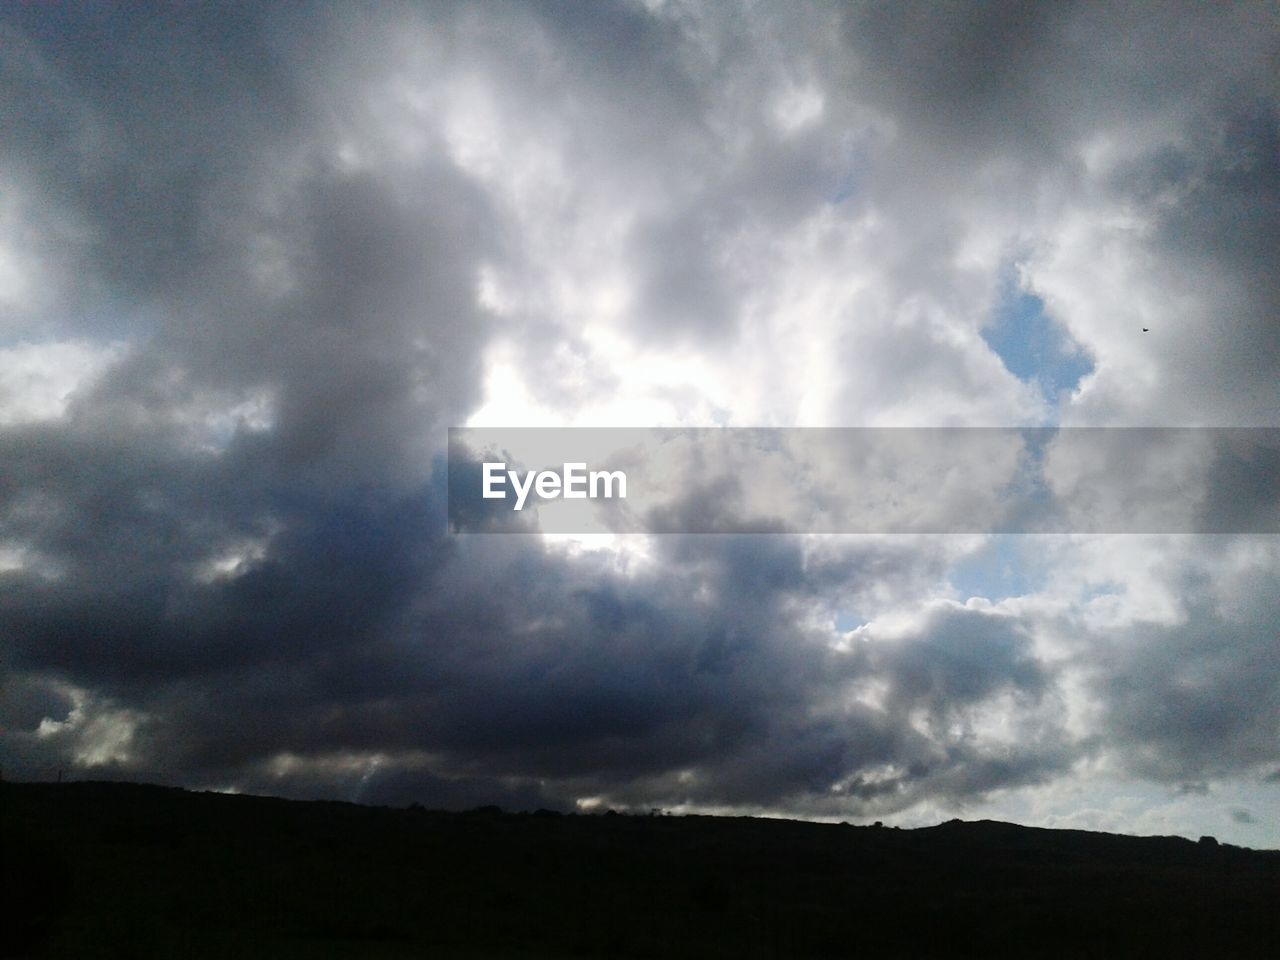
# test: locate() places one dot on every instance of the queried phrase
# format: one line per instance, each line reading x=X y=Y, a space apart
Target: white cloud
x=39 y=380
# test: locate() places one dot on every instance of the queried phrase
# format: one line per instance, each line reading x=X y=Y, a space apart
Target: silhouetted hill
x=124 y=870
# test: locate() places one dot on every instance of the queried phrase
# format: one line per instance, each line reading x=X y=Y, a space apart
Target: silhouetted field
x=122 y=870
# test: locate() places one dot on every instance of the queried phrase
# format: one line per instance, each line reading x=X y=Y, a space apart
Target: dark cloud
x=1196 y=700
x=283 y=228
x=584 y=684
x=27 y=703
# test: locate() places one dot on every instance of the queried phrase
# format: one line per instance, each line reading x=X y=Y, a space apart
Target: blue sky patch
x=1006 y=566
x=1031 y=345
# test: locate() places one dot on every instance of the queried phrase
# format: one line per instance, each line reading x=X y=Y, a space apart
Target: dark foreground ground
x=121 y=870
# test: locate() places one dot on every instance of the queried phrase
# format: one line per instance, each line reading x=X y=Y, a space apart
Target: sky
x=255 y=260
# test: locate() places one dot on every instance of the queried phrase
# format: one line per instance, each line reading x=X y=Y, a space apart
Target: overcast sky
x=255 y=261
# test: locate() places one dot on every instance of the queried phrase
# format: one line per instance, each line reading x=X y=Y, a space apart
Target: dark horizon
x=163 y=872
x=414 y=805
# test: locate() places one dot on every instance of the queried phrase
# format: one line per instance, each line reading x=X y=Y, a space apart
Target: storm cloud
x=255 y=260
